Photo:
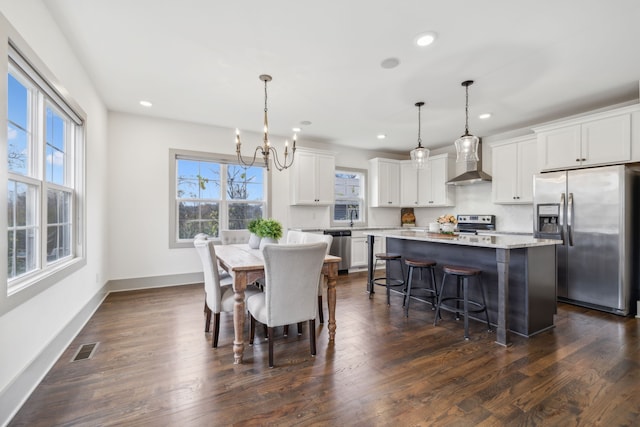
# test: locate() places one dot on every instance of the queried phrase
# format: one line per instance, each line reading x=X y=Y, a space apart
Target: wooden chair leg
x=320 y=313
x=300 y=328
x=252 y=329
x=312 y=336
x=207 y=320
x=271 y=348
x=216 y=330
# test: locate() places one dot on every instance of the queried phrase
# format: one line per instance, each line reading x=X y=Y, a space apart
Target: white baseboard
x=137 y=283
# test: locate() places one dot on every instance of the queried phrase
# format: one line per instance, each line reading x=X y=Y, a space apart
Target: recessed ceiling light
x=390 y=63
x=484 y=116
x=425 y=39
x=381 y=136
x=296 y=129
x=146 y=103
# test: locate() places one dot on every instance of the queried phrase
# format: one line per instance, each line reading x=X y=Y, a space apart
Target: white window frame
x=223 y=160
x=29 y=68
x=362 y=221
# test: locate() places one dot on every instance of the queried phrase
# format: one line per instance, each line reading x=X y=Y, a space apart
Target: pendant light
x=467 y=144
x=419 y=155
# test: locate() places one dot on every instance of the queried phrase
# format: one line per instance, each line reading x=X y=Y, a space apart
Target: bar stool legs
x=462 y=274
x=387 y=281
x=432 y=292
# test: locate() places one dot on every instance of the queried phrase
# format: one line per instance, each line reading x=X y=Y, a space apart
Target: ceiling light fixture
x=419 y=155
x=266 y=149
x=425 y=39
x=467 y=144
x=146 y=103
x=484 y=116
x=381 y=136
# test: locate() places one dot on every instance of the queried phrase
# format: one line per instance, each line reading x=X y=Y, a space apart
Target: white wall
x=26 y=331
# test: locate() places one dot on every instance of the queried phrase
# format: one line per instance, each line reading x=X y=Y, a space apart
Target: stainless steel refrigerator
x=592 y=211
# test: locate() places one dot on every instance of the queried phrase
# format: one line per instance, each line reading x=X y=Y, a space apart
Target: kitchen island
x=518 y=273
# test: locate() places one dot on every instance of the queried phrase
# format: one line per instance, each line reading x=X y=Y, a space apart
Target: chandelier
x=467 y=144
x=419 y=155
x=266 y=149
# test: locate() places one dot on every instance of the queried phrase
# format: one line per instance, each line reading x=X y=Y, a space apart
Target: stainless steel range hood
x=473 y=174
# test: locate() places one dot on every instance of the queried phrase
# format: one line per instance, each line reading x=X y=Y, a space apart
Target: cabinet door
x=389 y=183
x=359 y=251
x=304 y=182
x=325 y=175
x=409 y=184
x=504 y=173
x=559 y=148
x=606 y=141
x=440 y=194
x=527 y=151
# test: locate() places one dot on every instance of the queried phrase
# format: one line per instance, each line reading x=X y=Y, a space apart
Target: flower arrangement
x=447 y=219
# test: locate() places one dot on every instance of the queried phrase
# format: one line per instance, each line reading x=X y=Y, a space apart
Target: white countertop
x=500 y=241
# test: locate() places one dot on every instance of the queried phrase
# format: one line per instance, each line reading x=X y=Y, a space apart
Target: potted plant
x=254 y=239
x=269 y=230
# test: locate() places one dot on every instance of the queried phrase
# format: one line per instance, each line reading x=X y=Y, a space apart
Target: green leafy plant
x=270 y=228
x=254 y=225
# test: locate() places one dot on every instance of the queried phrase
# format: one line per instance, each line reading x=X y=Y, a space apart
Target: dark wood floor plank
x=154 y=365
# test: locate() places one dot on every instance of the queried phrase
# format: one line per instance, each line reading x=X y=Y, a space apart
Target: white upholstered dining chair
x=218 y=295
x=234 y=237
x=291 y=287
x=298 y=237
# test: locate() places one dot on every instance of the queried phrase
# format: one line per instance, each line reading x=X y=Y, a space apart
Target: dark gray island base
x=518 y=274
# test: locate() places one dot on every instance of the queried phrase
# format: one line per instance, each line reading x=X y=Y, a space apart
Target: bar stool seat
x=387 y=281
x=431 y=291
x=463 y=274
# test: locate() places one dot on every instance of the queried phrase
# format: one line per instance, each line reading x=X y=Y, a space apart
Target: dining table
x=246 y=265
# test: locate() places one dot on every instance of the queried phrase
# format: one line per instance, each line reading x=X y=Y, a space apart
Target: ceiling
x=199 y=61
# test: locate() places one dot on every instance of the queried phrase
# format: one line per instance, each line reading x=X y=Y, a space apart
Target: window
x=213 y=194
x=44 y=170
x=349 y=197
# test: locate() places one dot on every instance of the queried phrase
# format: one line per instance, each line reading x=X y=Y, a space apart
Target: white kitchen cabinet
x=360 y=248
x=598 y=139
x=514 y=164
x=427 y=187
x=312 y=178
x=384 y=180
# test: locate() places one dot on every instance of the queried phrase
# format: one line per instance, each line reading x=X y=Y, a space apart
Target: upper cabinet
x=312 y=178
x=428 y=187
x=384 y=182
x=597 y=139
x=513 y=167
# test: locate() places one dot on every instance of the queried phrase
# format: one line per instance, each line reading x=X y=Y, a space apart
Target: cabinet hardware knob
x=577 y=160
x=584 y=160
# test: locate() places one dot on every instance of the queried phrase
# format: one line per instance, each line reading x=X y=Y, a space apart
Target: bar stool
x=463 y=274
x=432 y=291
x=387 y=281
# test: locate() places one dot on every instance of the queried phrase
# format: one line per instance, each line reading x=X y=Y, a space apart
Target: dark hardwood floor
x=154 y=365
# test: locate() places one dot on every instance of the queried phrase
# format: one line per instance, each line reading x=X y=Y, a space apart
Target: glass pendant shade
x=419 y=155
x=467 y=148
x=467 y=144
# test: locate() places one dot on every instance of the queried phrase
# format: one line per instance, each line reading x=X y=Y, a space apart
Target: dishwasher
x=341 y=246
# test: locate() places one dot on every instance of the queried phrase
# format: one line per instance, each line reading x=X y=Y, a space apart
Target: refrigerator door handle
x=561 y=218
x=570 y=214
